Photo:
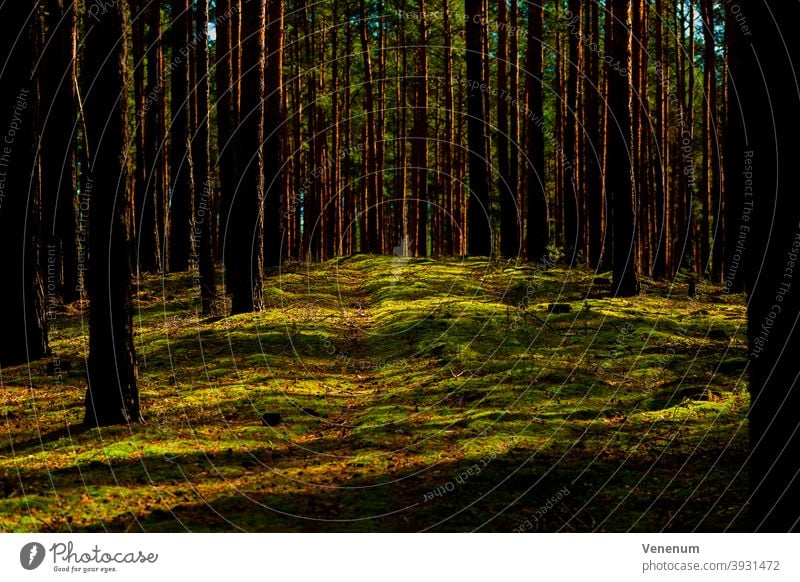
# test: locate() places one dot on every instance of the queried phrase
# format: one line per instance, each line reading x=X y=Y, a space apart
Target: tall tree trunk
x=274 y=172
x=183 y=187
x=514 y=136
x=769 y=114
x=478 y=219
x=112 y=396
x=711 y=152
x=22 y=303
x=419 y=143
x=369 y=240
x=448 y=169
x=151 y=204
x=593 y=145
x=738 y=160
x=138 y=17
x=205 y=191
x=509 y=213
x=572 y=217
x=619 y=180
x=660 y=162
x=58 y=155
x=538 y=227
x=245 y=232
x=335 y=207
x=226 y=123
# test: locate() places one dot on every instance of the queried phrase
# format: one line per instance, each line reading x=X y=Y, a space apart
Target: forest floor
x=414 y=394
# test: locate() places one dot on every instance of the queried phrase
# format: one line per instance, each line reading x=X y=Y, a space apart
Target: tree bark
x=509 y=213
x=538 y=226
x=768 y=113
x=245 y=232
x=183 y=187
x=619 y=179
x=112 y=396
x=22 y=303
x=572 y=217
x=58 y=156
x=479 y=242
x=419 y=143
x=205 y=192
x=274 y=171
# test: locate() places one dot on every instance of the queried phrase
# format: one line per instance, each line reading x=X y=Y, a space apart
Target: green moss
x=393 y=377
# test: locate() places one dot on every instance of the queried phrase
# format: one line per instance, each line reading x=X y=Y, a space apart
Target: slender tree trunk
x=593 y=144
x=149 y=199
x=448 y=168
x=226 y=124
x=58 y=147
x=419 y=143
x=619 y=184
x=570 y=195
x=139 y=174
x=274 y=178
x=112 y=396
x=246 y=228
x=660 y=159
x=183 y=187
x=509 y=213
x=205 y=193
x=713 y=163
x=538 y=226
x=514 y=135
x=369 y=243
x=335 y=207
x=479 y=221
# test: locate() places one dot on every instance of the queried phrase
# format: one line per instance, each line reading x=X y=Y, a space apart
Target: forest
x=408 y=265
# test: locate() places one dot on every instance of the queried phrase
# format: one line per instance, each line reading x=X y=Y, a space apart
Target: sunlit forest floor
x=413 y=394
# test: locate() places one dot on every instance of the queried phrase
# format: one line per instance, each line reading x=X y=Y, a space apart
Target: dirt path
x=348 y=357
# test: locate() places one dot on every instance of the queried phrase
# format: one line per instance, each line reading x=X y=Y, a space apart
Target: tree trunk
x=183 y=187
x=369 y=241
x=593 y=145
x=138 y=16
x=769 y=114
x=419 y=143
x=150 y=198
x=660 y=163
x=226 y=123
x=619 y=184
x=478 y=214
x=58 y=156
x=570 y=194
x=22 y=304
x=205 y=192
x=112 y=396
x=245 y=232
x=538 y=226
x=509 y=213
x=274 y=172
x=514 y=137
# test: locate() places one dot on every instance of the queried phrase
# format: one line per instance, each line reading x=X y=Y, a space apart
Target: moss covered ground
x=413 y=394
